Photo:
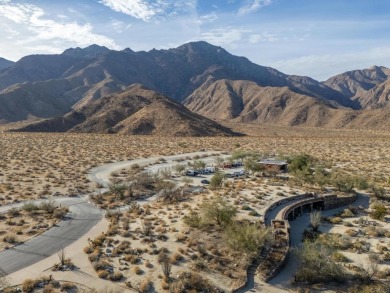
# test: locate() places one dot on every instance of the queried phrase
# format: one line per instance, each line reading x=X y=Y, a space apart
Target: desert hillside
x=136 y=110
x=247 y=102
x=370 y=87
x=93 y=72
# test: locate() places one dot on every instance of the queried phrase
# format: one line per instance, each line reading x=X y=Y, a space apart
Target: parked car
x=191 y=173
x=204 y=181
x=239 y=173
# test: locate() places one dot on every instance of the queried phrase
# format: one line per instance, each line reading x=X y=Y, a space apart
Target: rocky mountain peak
x=92 y=51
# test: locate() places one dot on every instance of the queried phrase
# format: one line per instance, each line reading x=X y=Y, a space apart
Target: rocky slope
x=247 y=102
x=206 y=78
x=137 y=110
x=4 y=63
x=95 y=71
x=370 y=87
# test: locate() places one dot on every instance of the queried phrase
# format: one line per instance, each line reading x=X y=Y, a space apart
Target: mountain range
x=136 y=111
x=206 y=79
x=4 y=63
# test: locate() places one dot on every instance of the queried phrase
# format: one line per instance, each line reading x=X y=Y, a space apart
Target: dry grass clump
x=46 y=284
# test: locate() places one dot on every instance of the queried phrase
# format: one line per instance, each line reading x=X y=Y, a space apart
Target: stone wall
x=332 y=201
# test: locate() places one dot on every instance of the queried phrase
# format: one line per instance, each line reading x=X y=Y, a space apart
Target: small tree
x=219 y=161
x=238 y=155
x=378 y=192
x=315 y=220
x=361 y=182
x=317 y=264
x=167 y=189
x=118 y=190
x=320 y=177
x=216 y=180
x=300 y=162
x=246 y=238
x=198 y=164
x=251 y=165
x=62 y=257
x=378 y=211
x=218 y=211
x=342 y=182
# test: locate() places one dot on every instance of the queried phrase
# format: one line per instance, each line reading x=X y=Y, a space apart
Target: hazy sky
x=317 y=38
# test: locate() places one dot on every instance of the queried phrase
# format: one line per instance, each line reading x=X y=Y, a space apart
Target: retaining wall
x=331 y=201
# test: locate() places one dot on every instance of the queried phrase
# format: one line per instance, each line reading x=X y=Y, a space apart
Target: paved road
x=83 y=216
x=101 y=174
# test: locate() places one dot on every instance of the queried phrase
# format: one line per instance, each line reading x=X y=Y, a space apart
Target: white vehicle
x=239 y=173
x=210 y=169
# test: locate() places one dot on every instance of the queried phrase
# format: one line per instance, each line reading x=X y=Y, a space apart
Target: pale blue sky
x=317 y=38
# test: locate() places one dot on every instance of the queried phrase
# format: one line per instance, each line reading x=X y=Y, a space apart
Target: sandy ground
x=352 y=153
x=85 y=273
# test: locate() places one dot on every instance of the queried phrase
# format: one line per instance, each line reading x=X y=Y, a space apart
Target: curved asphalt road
x=82 y=217
x=101 y=174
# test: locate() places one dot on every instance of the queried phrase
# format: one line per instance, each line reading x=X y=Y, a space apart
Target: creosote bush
x=317 y=264
x=379 y=211
x=218 y=211
x=246 y=238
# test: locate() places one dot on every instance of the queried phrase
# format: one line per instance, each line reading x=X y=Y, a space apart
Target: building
x=274 y=165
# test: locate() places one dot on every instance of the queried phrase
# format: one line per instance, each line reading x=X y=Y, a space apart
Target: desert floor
x=35 y=166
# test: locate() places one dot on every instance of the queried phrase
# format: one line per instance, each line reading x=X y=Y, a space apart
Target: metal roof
x=273 y=162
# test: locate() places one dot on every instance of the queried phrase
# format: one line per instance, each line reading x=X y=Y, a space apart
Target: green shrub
x=216 y=180
x=246 y=238
x=48 y=206
x=339 y=257
x=30 y=207
x=218 y=211
x=193 y=220
x=379 y=211
x=317 y=264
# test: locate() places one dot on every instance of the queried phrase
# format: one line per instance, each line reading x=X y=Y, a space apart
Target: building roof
x=273 y=162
